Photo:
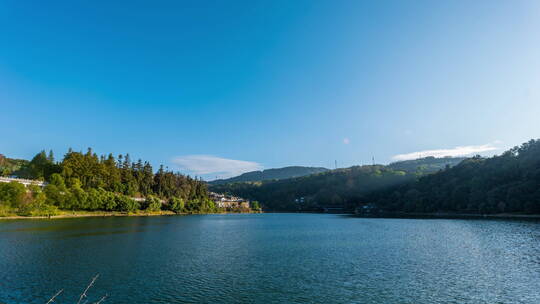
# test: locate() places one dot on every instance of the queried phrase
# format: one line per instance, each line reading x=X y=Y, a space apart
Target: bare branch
x=101 y=300
x=54 y=297
x=83 y=295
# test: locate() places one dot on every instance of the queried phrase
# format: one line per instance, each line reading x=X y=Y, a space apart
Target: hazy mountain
x=271 y=174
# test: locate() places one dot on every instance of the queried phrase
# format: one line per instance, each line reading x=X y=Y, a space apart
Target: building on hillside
x=23 y=181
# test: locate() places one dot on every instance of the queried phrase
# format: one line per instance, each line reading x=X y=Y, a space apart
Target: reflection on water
x=271 y=258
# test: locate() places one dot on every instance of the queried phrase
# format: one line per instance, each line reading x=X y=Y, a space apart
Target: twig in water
x=101 y=300
x=83 y=295
x=54 y=297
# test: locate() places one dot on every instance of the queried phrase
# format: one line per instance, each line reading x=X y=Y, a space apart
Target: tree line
x=86 y=181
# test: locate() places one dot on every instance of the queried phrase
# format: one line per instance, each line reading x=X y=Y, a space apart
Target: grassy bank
x=76 y=214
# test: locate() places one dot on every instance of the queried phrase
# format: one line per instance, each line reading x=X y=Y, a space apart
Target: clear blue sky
x=268 y=83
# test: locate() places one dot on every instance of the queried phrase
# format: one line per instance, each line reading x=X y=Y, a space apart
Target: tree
x=12 y=194
x=254 y=205
x=40 y=167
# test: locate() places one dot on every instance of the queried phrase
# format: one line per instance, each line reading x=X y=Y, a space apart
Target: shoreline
x=107 y=214
x=84 y=214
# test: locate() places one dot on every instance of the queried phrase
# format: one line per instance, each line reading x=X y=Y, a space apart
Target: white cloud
x=454 y=152
x=208 y=164
x=346 y=141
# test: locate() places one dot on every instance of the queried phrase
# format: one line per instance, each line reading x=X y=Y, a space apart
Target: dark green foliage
x=271 y=174
x=506 y=183
x=255 y=205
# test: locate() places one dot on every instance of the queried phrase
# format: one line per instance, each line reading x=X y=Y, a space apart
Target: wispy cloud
x=454 y=152
x=213 y=165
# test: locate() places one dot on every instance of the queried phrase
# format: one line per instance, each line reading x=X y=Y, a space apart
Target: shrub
x=38 y=207
x=94 y=200
x=126 y=204
x=152 y=203
x=177 y=205
x=5 y=211
x=12 y=194
x=108 y=200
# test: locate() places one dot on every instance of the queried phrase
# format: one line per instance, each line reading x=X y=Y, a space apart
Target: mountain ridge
x=271 y=174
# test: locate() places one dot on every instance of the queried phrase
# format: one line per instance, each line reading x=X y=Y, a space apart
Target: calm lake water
x=271 y=258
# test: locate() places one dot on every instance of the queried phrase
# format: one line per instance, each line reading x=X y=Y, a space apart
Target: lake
x=270 y=258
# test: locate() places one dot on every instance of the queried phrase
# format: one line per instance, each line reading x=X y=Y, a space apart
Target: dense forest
x=86 y=181
x=506 y=183
x=271 y=174
x=336 y=188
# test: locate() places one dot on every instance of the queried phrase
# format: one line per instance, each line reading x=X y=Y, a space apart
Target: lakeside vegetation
x=88 y=182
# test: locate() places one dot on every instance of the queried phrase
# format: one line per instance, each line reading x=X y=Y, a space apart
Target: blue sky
x=216 y=88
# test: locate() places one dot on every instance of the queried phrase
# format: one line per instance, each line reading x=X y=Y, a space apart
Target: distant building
x=229 y=202
x=368 y=209
x=23 y=181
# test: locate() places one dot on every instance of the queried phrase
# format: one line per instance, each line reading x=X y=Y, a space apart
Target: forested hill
x=271 y=174
x=10 y=165
x=427 y=164
x=340 y=187
x=506 y=183
x=309 y=193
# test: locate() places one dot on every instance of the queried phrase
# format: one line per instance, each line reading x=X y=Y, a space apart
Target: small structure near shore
x=229 y=202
